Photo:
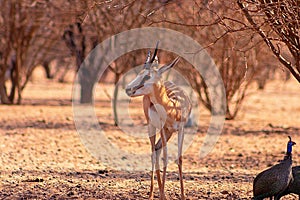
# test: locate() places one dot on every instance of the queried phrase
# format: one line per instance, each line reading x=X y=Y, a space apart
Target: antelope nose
x=128 y=91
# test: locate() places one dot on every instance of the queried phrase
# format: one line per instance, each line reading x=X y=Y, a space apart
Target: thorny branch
x=284 y=36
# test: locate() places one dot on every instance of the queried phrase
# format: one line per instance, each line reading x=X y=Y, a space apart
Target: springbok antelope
x=166 y=108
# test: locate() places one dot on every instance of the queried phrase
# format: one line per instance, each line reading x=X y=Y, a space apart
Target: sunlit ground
x=42 y=155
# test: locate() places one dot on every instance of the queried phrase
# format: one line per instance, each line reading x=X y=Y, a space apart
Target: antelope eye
x=146 y=77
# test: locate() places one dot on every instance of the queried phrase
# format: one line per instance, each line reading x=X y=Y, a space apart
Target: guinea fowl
x=274 y=181
x=294 y=186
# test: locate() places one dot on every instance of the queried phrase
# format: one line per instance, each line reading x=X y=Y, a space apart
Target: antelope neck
x=159 y=95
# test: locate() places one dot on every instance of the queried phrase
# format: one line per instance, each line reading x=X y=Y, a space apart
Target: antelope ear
x=169 y=66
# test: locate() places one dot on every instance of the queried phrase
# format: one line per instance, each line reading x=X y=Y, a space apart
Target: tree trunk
x=13 y=79
x=86 y=86
x=86 y=92
x=115 y=100
x=16 y=81
x=46 y=66
x=3 y=94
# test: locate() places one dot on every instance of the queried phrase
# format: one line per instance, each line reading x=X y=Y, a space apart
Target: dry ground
x=42 y=156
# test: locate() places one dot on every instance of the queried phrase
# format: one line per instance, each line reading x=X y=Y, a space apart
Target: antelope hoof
x=164 y=198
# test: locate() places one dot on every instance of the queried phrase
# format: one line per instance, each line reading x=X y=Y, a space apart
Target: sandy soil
x=42 y=156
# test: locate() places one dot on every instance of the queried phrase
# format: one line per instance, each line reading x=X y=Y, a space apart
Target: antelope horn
x=155 y=52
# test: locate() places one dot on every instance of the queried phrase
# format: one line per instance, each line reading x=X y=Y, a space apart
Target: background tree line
x=247 y=39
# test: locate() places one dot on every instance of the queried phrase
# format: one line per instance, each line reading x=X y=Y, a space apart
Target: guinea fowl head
x=290 y=145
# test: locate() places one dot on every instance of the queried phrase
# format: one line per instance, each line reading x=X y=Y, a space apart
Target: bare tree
x=100 y=21
x=230 y=43
x=230 y=36
x=228 y=33
x=278 y=24
x=29 y=30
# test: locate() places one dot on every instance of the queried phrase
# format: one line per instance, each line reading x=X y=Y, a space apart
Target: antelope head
x=150 y=75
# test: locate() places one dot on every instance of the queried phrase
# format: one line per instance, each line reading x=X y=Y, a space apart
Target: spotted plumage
x=294 y=186
x=274 y=181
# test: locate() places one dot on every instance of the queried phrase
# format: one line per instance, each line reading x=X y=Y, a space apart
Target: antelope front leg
x=152 y=134
x=160 y=186
x=165 y=159
x=157 y=168
x=158 y=147
x=179 y=162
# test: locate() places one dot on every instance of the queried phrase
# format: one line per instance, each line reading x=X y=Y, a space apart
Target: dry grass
x=42 y=156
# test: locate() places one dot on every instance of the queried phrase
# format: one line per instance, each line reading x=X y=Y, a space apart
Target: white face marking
x=142 y=84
